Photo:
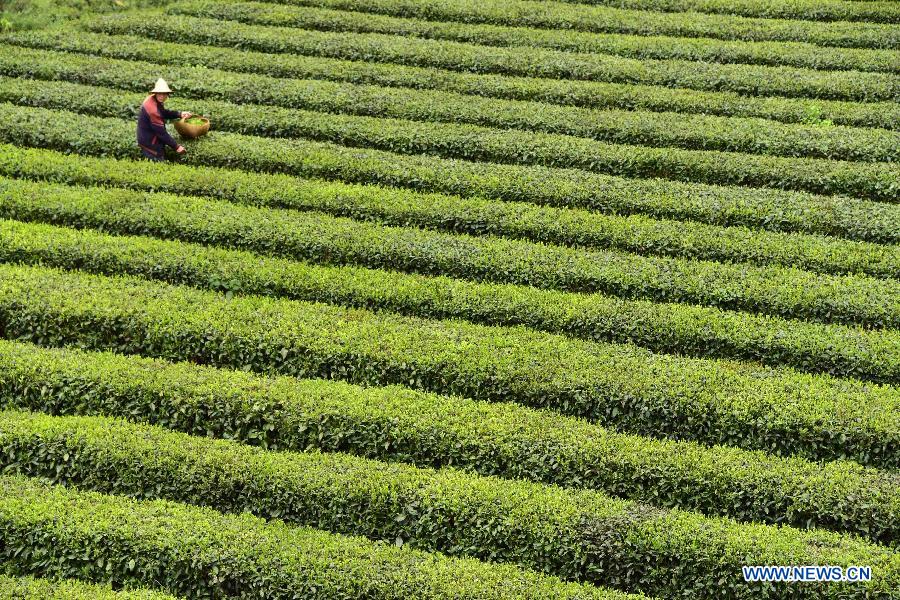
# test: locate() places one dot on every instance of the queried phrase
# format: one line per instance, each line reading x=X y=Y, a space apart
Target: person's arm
x=162 y=135
x=171 y=114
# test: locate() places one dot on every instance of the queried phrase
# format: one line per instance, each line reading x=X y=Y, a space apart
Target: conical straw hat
x=161 y=87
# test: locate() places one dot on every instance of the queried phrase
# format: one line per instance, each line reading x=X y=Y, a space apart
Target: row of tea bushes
x=746 y=209
x=73 y=133
x=393 y=206
x=601 y=19
x=733 y=439
x=576 y=535
x=400 y=424
x=813 y=10
x=29 y=588
x=873 y=181
x=200 y=553
x=674 y=328
x=657 y=395
x=529 y=62
x=693 y=132
x=325 y=239
x=588 y=94
x=793 y=54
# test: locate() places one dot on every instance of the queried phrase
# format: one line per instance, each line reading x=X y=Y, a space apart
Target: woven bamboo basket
x=189 y=130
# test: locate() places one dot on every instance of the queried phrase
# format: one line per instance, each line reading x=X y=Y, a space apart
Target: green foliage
x=113 y=137
x=814 y=10
x=589 y=94
x=490 y=279
x=693 y=132
x=506 y=440
x=520 y=61
x=28 y=588
x=814 y=117
x=603 y=19
x=674 y=328
x=875 y=181
x=550 y=530
x=657 y=395
x=773 y=290
x=768 y=209
x=36 y=14
x=633 y=46
x=199 y=553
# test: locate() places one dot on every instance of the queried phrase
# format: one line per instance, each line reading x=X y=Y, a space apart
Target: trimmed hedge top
x=572 y=534
x=656 y=395
x=570 y=225
x=669 y=129
x=520 y=292
x=795 y=54
x=872 y=180
x=520 y=61
x=29 y=588
x=399 y=424
x=769 y=290
x=199 y=553
x=581 y=17
x=674 y=328
x=590 y=94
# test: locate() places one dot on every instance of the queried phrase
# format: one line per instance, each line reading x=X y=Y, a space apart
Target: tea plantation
x=494 y=299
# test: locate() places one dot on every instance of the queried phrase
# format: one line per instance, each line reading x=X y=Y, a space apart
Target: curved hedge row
x=873 y=181
x=678 y=329
x=816 y=10
x=200 y=553
x=531 y=62
x=575 y=535
x=644 y=128
x=615 y=20
x=792 y=54
x=392 y=206
x=338 y=241
x=657 y=395
x=588 y=94
x=399 y=424
x=28 y=588
x=769 y=210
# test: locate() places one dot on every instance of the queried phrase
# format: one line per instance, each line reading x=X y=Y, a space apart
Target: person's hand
x=186 y=115
x=180 y=150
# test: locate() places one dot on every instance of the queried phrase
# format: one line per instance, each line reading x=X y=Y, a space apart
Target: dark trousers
x=153 y=152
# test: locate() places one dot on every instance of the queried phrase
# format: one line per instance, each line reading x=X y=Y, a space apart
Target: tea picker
x=152 y=137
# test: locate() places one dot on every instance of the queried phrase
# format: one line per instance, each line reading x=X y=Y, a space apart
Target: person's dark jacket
x=151 y=126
